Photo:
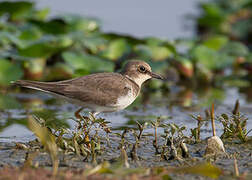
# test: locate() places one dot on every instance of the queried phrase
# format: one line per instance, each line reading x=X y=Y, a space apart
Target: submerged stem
x=212 y=120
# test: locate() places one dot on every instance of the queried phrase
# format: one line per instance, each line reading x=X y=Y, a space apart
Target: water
x=176 y=106
x=165 y=19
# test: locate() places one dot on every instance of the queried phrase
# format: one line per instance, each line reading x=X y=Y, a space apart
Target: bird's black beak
x=156 y=76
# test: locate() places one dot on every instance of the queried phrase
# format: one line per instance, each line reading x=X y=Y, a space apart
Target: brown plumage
x=101 y=92
x=106 y=85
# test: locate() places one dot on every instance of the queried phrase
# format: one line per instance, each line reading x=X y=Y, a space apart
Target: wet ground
x=175 y=106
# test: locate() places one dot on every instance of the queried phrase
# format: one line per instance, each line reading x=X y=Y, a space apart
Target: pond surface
x=175 y=106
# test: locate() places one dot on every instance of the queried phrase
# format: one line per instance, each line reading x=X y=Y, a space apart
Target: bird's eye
x=142 y=69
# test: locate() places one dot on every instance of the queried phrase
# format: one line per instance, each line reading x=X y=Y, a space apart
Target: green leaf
x=79 y=23
x=235 y=49
x=46 y=46
x=16 y=10
x=158 y=53
x=211 y=9
x=9 y=102
x=30 y=33
x=87 y=63
x=210 y=58
x=9 y=72
x=116 y=49
x=241 y=29
x=41 y=14
x=93 y=42
x=7 y=38
x=216 y=42
x=212 y=16
x=54 y=26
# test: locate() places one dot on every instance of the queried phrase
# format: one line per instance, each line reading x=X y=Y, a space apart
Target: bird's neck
x=134 y=80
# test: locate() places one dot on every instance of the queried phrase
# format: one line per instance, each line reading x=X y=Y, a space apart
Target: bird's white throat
x=140 y=79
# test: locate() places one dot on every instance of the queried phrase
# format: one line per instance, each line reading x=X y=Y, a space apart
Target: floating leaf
x=7 y=38
x=46 y=46
x=212 y=15
x=9 y=72
x=216 y=42
x=30 y=33
x=86 y=62
x=54 y=26
x=235 y=49
x=210 y=58
x=79 y=23
x=41 y=14
x=116 y=49
x=16 y=10
x=153 y=52
x=9 y=102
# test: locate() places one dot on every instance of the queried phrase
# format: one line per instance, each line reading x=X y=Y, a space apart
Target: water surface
x=175 y=106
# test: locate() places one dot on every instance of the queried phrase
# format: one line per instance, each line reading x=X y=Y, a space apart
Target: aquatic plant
x=234 y=126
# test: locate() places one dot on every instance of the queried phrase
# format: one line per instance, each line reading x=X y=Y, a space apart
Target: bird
x=99 y=92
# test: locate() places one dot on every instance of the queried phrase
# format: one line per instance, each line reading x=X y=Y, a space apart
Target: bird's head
x=139 y=72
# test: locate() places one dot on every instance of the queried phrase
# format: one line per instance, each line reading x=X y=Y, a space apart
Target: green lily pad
x=9 y=102
x=7 y=38
x=210 y=58
x=46 y=46
x=216 y=42
x=41 y=14
x=80 y=23
x=53 y=26
x=9 y=72
x=116 y=49
x=83 y=63
x=30 y=33
x=158 y=53
x=235 y=49
x=16 y=10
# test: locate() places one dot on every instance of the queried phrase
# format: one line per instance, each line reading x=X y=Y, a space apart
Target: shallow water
x=175 y=106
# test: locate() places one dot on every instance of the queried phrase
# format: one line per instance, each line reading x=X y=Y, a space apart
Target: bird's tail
x=41 y=86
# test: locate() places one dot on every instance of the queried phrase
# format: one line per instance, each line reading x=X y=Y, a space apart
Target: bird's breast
x=125 y=100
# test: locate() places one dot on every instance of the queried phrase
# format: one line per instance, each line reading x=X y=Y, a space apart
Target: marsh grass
x=235 y=125
x=195 y=132
x=91 y=137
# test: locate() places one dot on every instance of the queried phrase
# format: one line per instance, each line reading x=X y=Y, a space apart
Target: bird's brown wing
x=101 y=88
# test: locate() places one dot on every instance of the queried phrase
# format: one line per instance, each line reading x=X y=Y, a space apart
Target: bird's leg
x=77 y=113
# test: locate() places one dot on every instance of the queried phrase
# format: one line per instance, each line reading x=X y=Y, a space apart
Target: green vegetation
x=42 y=48
x=92 y=138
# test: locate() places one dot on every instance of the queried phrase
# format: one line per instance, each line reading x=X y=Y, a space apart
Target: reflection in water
x=174 y=105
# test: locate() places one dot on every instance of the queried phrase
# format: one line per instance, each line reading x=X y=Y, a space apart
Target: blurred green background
x=37 y=46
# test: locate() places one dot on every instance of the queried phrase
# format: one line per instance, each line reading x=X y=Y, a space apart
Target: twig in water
x=212 y=120
x=236 y=170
